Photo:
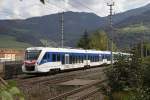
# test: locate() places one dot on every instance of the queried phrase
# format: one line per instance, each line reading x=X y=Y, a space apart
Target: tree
x=127 y=73
x=99 y=40
x=131 y=76
x=84 y=41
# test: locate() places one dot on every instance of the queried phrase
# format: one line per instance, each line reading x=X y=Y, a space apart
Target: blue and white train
x=46 y=59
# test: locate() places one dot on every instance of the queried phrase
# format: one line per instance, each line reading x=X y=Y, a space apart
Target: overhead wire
x=49 y=4
x=85 y=6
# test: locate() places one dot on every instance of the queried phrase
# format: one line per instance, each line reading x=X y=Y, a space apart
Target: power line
x=59 y=6
x=72 y=6
x=84 y=5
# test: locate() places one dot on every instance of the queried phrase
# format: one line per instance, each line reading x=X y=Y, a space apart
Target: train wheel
x=54 y=71
x=58 y=70
x=86 y=67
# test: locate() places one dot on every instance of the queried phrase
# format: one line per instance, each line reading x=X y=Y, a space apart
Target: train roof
x=69 y=50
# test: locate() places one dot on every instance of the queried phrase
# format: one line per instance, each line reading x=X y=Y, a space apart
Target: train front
x=31 y=60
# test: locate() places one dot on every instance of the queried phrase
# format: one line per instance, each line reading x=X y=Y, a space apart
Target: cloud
x=14 y=9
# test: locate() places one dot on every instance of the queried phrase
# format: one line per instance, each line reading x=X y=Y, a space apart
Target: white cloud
x=14 y=9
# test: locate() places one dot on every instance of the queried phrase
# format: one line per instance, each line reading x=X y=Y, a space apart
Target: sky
x=22 y=9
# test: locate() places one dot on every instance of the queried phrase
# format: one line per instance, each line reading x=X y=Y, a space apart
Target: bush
x=10 y=92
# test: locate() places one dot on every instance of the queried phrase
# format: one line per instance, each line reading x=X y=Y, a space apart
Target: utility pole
x=142 y=43
x=62 y=29
x=111 y=28
x=145 y=43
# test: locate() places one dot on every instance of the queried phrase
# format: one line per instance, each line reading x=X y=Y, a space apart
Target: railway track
x=46 y=84
x=53 y=79
x=86 y=90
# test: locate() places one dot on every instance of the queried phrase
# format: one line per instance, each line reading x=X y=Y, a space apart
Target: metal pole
x=141 y=48
x=145 y=49
x=62 y=29
x=111 y=30
x=144 y=43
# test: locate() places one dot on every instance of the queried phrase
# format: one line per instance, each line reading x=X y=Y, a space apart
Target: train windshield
x=32 y=54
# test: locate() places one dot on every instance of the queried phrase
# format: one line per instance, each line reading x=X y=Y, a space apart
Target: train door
x=66 y=58
x=100 y=58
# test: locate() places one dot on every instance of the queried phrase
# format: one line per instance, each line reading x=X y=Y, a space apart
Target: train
x=48 y=59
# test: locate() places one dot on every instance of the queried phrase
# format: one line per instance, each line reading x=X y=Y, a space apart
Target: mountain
x=39 y=31
x=34 y=30
x=134 y=28
x=130 y=13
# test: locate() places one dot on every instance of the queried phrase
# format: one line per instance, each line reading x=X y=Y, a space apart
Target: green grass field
x=10 y=42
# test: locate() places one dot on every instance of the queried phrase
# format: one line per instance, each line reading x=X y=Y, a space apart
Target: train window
x=70 y=59
x=32 y=54
x=48 y=56
x=93 y=58
x=58 y=57
x=44 y=60
x=88 y=57
x=109 y=57
x=63 y=59
x=53 y=57
x=82 y=59
x=103 y=56
x=100 y=57
x=73 y=59
x=78 y=59
x=45 y=57
x=85 y=57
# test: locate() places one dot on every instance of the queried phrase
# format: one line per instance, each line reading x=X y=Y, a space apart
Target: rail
x=77 y=90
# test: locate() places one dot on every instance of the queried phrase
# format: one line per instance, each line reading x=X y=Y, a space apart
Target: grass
x=10 y=42
x=122 y=95
x=135 y=29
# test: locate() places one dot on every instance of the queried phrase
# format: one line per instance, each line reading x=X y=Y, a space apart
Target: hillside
x=38 y=31
x=48 y=28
